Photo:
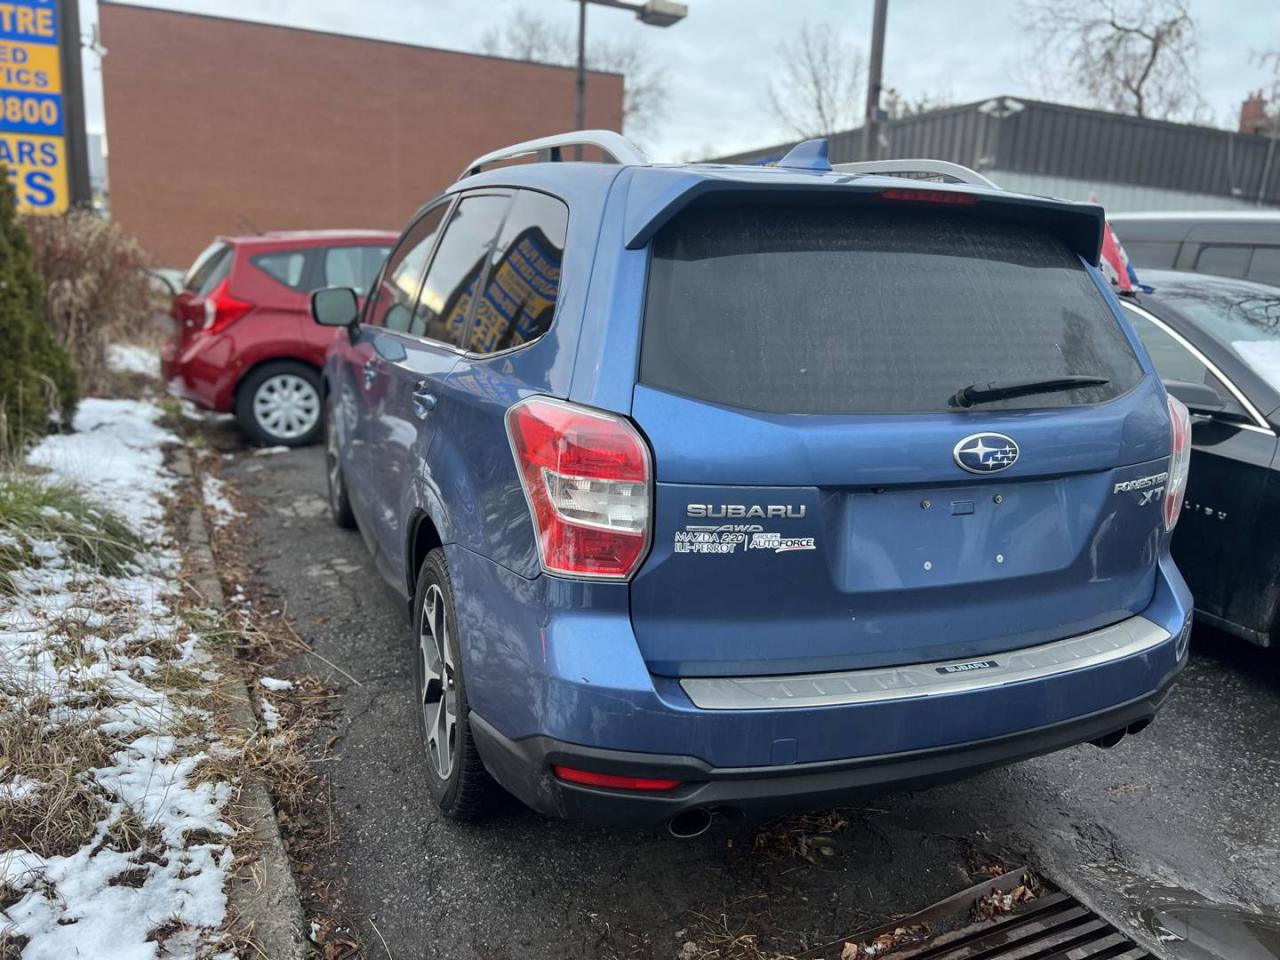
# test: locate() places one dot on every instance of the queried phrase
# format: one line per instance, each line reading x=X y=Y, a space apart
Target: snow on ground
x=131 y=358
x=116 y=457
x=271 y=683
x=109 y=665
x=221 y=510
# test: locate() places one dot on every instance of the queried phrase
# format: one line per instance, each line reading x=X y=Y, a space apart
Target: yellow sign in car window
x=33 y=143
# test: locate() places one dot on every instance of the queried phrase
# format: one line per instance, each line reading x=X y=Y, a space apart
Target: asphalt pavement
x=1187 y=810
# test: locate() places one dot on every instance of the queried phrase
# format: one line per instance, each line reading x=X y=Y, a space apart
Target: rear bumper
x=524 y=768
x=204 y=371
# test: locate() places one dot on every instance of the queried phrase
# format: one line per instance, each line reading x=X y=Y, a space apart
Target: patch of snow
x=271 y=451
x=221 y=509
x=270 y=715
x=128 y=638
x=131 y=358
x=274 y=685
x=1263 y=356
x=116 y=457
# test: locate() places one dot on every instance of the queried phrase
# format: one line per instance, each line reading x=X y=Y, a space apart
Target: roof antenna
x=810 y=155
x=252 y=226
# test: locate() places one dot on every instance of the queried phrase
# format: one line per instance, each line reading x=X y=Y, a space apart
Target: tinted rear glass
x=791 y=309
x=200 y=268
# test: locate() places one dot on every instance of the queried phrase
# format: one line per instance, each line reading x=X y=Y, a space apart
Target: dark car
x=1216 y=343
x=727 y=487
x=1228 y=243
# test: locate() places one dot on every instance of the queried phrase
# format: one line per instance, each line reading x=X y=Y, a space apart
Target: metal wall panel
x=1056 y=141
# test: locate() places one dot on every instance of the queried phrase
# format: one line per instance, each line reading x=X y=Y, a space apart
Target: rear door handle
x=424 y=401
x=370 y=374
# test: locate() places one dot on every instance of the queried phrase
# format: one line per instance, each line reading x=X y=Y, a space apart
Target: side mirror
x=335 y=307
x=1199 y=397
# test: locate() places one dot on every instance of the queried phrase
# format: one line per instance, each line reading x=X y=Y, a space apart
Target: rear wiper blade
x=986 y=392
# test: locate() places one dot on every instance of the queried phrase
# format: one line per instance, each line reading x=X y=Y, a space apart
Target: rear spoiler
x=655 y=199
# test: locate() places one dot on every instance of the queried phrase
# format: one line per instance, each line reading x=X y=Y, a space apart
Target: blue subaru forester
x=717 y=488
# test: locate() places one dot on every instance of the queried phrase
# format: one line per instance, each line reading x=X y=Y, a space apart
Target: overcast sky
x=720 y=59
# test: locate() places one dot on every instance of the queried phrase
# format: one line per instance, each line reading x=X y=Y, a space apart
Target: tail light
x=1179 y=461
x=588 y=478
x=947 y=197
x=613 y=781
x=221 y=309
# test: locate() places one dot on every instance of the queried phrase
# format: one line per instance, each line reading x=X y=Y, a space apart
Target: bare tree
x=1131 y=56
x=526 y=35
x=818 y=85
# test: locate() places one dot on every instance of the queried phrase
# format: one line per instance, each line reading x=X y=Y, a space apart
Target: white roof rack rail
x=918 y=170
x=613 y=145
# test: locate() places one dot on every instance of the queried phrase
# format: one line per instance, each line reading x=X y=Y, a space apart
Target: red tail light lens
x=588 y=479
x=612 y=781
x=948 y=197
x=1179 y=461
x=221 y=309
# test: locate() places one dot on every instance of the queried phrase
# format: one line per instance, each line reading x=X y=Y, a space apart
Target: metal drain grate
x=1056 y=926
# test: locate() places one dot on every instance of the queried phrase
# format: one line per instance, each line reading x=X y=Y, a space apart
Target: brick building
x=223 y=126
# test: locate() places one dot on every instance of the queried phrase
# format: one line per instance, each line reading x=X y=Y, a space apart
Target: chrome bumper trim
x=1123 y=639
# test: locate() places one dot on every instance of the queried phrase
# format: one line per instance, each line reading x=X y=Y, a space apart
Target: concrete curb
x=262 y=894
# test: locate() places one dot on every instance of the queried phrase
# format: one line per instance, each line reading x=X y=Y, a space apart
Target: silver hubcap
x=439 y=694
x=286 y=406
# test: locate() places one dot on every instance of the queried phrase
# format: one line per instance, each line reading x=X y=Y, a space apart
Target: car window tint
x=519 y=297
x=200 y=267
x=1173 y=361
x=353 y=267
x=845 y=309
x=456 y=268
x=392 y=304
x=1224 y=260
x=285 y=266
x=1265 y=267
x=1155 y=254
x=218 y=270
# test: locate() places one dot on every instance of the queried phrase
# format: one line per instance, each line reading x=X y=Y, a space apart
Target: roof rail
x=918 y=170
x=613 y=145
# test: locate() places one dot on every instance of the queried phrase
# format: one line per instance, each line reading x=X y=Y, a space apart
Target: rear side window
x=1156 y=254
x=455 y=270
x=353 y=267
x=786 y=308
x=519 y=296
x=283 y=266
x=1224 y=260
x=1265 y=266
x=208 y=260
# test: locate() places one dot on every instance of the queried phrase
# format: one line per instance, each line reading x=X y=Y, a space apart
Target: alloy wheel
x=439 y=691
x=286 y=406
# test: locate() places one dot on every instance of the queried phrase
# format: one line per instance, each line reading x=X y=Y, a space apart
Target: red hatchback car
x=244 y=341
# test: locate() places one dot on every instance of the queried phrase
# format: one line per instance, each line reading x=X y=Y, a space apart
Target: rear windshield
x=790 y=309
x=202 y=266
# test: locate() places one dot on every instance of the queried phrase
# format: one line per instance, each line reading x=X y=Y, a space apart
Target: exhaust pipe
x=690 y=823
x=1110 y=740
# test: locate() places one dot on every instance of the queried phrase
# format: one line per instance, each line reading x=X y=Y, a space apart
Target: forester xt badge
x=1149 y=489
x=985 y=453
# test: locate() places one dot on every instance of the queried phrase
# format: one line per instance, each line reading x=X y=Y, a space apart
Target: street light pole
x=870 y=123
x=655 y=13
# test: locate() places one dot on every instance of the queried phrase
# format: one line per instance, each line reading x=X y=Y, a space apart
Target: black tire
x=287 y=381
x=463 y=790
x=339 y=502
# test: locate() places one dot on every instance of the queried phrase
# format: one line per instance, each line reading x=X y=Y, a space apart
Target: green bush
x=37 y=381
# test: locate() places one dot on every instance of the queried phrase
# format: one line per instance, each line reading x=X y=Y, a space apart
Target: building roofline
x=349 y=36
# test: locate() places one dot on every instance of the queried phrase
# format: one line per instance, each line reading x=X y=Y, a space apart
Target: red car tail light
x=947 y=197
x=588 y=478
x=612 y=781
x=221 y=309
x=1179 y=461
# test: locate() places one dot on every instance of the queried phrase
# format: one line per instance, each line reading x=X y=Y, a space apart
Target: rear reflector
x=610 y=781
x=949 y=197
x=1179 y=461
x=588 y=478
